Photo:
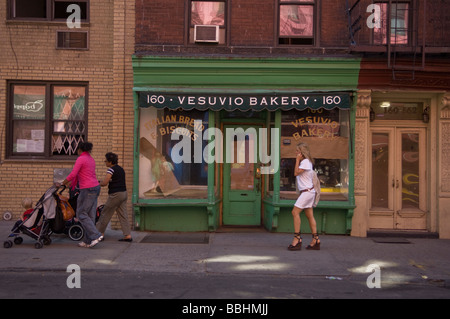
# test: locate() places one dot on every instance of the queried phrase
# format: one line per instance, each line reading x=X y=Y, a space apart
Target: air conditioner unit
x=206 y=33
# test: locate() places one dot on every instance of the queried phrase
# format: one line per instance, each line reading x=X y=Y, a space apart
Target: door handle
x=258 y=173
x=395 y=183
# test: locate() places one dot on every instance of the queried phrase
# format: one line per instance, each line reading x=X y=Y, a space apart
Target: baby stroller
x=44 y=220
x=73 y=227
x=38 y=223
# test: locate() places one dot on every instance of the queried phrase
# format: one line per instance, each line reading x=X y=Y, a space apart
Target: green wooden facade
x=231 y=75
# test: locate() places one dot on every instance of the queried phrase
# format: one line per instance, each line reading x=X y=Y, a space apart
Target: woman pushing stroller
x=83 y=174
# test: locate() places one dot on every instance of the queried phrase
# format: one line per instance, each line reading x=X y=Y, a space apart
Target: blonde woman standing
x=304 y=182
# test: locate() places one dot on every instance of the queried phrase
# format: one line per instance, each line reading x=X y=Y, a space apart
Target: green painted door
x=241 y=177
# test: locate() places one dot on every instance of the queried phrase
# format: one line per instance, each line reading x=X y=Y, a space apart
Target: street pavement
x=245 y=263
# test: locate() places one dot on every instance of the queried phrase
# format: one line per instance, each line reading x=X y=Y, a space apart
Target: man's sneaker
x=95 y=241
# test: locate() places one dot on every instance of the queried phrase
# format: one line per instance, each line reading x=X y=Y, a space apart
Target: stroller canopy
x=48 y=203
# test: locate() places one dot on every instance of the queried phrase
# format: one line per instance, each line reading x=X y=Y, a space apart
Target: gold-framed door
x=398 y=174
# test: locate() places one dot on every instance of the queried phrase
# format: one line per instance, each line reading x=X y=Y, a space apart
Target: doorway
x=398 y=175
x=241 y=177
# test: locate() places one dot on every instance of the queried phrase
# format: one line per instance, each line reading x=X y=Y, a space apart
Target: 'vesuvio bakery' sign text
x=244 y=102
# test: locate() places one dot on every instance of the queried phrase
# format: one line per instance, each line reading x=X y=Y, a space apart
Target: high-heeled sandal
x=316 y=245
x=297 y=246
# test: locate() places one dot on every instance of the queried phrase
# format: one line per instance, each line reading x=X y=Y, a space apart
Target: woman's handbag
x=316 y=184
x=67 y=210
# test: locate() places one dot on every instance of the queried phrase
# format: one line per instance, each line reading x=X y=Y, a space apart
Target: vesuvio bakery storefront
x=215 y=141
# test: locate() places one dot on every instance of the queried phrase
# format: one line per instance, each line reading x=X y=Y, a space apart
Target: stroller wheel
x=76 y=232
x=7 y=244
x=18 y=240
x=38 y=245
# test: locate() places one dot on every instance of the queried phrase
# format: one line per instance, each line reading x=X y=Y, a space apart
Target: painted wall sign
x=245 y=102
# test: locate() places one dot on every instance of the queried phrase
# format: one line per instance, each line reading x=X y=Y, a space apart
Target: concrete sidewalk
x=410 y=260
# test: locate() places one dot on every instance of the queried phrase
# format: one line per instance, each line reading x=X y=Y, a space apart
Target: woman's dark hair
x=112 y=157
x=85 y=146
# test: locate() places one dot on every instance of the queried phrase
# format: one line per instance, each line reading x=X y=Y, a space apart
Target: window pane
x=29 y=8
x=160 y=175
x=242 y=167
x=410 y=170
x=47 y=119
x=72 y=40
x=380 y=170
x=207 y=13
x=399 y=24
x=66 y=144
x=398 y=111
x=29 y=102
x=296 y=20
x=28 y=136
x=61 y=9
x=69 y=129
x=68 y=102
x=379 y=34
x=327 y=135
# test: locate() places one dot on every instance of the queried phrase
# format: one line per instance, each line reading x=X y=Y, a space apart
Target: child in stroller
x=35 y=222
x=27 y=203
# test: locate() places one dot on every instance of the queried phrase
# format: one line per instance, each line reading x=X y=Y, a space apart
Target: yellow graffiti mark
x=410 y=199
x=407 y=177
x=408 y=192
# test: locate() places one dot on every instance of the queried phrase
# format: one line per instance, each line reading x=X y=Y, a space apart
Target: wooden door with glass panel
x=399 y=194
x=242 y=179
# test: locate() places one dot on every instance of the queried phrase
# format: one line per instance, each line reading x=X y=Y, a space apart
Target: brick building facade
x=40 y=50
x=251 y=25
x=142 y=55
x=400 y=50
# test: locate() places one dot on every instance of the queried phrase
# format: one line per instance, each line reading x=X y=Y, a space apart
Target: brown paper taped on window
x=327 y=148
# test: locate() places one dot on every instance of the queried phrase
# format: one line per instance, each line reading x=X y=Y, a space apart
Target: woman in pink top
x=83 y=174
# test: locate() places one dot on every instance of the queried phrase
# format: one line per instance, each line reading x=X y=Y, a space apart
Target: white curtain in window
x=296 y=20
x=207 y=13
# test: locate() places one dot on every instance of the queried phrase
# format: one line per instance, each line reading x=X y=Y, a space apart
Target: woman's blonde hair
x=304 y=149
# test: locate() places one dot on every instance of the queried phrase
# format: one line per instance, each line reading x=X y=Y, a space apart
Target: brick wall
x=333 y=24
x=122 y=130
x=28 y=52
x=250 y=23
x=161 y=27
x=160 y=22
